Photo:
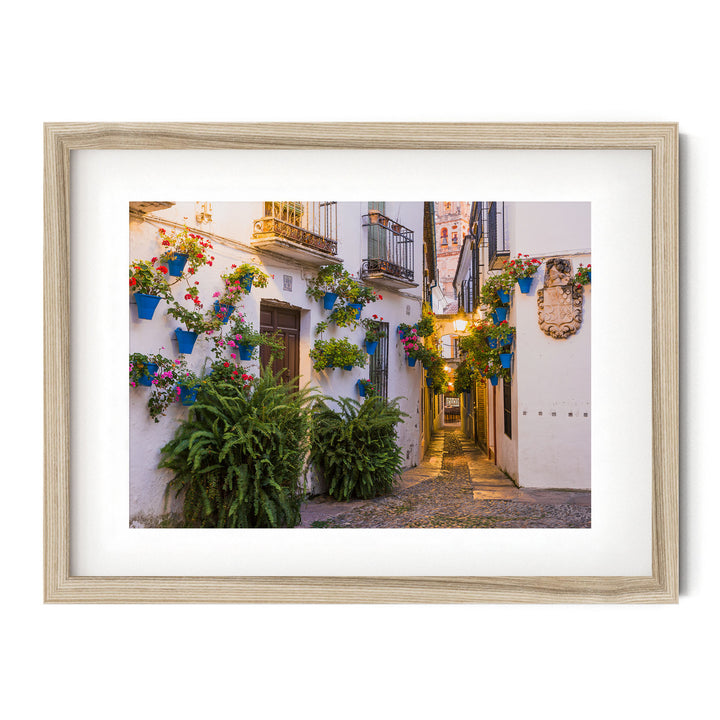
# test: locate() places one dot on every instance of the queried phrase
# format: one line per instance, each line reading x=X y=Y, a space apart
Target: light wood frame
x=660 y=138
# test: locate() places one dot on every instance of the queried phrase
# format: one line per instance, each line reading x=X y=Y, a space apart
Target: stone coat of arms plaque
x=560 y=301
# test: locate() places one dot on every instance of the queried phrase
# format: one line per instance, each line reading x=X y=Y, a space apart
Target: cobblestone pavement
x=454 y=487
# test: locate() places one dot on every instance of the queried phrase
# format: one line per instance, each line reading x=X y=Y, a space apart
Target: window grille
x=379 y=363
x=507 y=407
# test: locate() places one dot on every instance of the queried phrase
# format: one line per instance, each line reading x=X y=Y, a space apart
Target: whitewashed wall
x=234 y=221
x=550 y=445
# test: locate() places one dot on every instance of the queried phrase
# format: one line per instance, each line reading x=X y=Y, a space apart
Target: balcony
x=304 y=231
x=390 y=252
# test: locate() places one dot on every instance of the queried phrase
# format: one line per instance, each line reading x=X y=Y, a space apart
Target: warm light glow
x=447 y=368
x=460 y=325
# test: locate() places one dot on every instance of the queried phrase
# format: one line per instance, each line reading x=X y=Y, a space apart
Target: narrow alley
x=455 y=486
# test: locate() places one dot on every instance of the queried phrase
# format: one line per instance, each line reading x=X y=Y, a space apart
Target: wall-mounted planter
x=508 y=340
x=360 y=388
x=493 y=379
x=429 y=382
x=150 y=370
x=226 y=309
x=176 y=264
x=411 y=361
x=246 y=351
x=357 y=308
x=371 y=346
x=186 y=340
x=504 y=296
x=246 y=282
x=505 y=360
x=525 y=284
x=329 y=300
x=188 y=396
x=492 y=342
x=501 y=314
x=347 y=367
x=146 y=305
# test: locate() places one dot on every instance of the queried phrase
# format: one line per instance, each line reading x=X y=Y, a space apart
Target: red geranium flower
x=162 y=269
x=133 y=281
x=227 y=364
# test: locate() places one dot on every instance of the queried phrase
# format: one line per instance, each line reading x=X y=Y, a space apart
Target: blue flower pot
x=227 y=311
x=493 y=379
x=329 y=300
x=525 y=284
x=590 y=276
x=500 y=314
x=429 y=382
x=357 y=308
x=176 y=264
x=508 y=340
x=150 y=370
x=246 y=351
x=400 y=332
x=371 y=347
x=146 y=305
x=347 y=367
x=188 y=396
x=186 y=340
x=246 y=282
x=361 y=387
x=505 y=359
x=411 y=361
x=492 y=342
x=504 y=296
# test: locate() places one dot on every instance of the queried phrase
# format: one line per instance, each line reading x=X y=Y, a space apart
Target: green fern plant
x=355 y=447
x=239 y=456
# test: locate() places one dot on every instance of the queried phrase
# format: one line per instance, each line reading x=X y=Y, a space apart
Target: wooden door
x=286 y=322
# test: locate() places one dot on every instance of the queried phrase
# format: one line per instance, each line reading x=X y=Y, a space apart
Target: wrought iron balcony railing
x=309 y=224
x=390 y=248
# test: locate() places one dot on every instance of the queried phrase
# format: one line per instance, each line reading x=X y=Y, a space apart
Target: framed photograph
x=534 y=430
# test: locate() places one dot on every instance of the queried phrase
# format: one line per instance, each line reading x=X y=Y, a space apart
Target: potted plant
x=160 y=373
x=245 y=276
x=336 y=352
x=582 y=276
x=355 y=295
x=426 y=326
x=149 y=285
x=243 y=337
x=145 y=368
x=404 y=328
x=324 y=286
x=184 y=247
x=412 y=346
x=195 y=324
x=365 y=388
x=522 y=271
x=188 y=384
x=374 y=332
x=500 y=335
x=489 y=295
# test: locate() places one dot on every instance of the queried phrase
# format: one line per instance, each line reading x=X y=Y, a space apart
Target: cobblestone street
x=455 y=486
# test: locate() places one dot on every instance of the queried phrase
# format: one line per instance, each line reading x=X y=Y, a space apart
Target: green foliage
x=336 y=352
x=582 y=276
x=426 y=326
x=326 y=280
x=374 y=331
x=240 y=455
x=355 y=447
x=488 y=293
x=149 y=278
x=464 y=377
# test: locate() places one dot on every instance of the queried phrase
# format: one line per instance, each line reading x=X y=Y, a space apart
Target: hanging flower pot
x=504 y=296
x=361 y=387
x=371 y=347
x=246 y=282
x=227 y=311
x=146 y=378
x=505 y=359
x=146 y=305
x=329 y=300
x=492 y=342
x=246 y=351
x=411 y=361
x=493 y=379
x=176 y=264
x=501 y=314
x=186 y=340
x=525 y=284
x=357 y=308
x=188 y=396
x=347 y=367
x=429 y=382
x=507 y=341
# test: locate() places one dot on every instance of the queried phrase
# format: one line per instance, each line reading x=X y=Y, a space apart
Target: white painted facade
x=549 y=446
x=231 y=235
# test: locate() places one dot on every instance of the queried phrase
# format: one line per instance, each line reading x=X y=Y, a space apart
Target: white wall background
x=77 y=61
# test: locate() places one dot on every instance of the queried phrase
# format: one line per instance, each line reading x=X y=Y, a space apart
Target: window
x=379 y=363
x=443 y=236
x=507 y=407
x=496 y=233
x=454 y=238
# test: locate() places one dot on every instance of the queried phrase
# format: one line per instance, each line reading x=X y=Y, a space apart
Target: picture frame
x=661 y=139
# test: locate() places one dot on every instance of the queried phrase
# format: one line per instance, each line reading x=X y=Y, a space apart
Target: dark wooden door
x=286 y=322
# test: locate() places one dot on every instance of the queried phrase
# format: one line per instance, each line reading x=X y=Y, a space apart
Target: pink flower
x=217 y=294
x=232 y=355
